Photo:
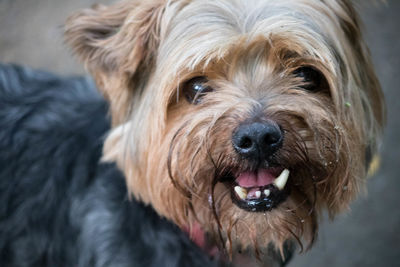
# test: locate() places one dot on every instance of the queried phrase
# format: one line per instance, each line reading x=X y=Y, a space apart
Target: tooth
x=241 y=192
x=258 y=194
x=267 y=192
x=280 y=182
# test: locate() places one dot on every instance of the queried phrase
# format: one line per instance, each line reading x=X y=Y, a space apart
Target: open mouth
x=260 y=190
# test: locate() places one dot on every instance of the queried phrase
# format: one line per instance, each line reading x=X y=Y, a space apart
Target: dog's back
x=58 y=205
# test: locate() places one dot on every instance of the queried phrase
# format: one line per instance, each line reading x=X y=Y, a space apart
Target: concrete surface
x=31 y=34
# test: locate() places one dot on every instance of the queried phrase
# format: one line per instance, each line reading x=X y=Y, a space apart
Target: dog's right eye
x=195 y=89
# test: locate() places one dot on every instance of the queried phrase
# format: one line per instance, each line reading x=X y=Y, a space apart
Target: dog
x=232 y=125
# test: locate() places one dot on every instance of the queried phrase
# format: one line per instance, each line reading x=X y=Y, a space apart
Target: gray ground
x=31 y=34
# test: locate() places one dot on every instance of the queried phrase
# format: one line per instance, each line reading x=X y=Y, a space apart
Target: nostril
x=270 y=139
x=245 y=142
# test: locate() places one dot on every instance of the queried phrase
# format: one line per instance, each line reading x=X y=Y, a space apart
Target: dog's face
x=245 y=117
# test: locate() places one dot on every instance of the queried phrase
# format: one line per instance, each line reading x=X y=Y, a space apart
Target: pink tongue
x=258 y=178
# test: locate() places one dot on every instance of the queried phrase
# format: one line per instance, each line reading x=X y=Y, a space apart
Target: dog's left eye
x=196 y=88
x=312 y=79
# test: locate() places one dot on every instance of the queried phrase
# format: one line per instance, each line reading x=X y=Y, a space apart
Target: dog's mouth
x=260 y=190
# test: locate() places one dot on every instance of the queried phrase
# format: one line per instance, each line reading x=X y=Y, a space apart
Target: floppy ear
x=372 y=97
x=118 y=45
x=370 y=93
x=369 y=82
x=361 y=110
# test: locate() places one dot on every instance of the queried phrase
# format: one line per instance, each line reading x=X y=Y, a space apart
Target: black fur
x=58 y=205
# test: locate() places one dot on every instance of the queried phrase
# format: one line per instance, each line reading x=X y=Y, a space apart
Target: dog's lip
x=260 y=190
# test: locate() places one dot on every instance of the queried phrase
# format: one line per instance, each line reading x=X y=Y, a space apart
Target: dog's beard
x=204 y=168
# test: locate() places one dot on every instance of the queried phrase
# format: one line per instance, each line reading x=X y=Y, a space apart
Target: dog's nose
x=257 y=140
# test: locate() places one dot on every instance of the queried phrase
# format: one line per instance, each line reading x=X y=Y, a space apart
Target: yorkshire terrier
x=235 y=123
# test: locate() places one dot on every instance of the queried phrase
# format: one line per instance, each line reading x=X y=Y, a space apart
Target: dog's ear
x=371 y=97
x=363 y=104
x=117 y=37
x=115 y=42
x=367 y=79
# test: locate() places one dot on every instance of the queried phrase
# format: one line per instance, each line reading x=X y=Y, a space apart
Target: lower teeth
x=244 y=194
x=267 y=192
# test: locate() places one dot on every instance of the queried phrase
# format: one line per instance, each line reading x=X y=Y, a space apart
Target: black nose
x=257 y=140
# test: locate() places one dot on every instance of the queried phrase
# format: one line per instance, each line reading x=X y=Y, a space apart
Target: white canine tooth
x=258 y=194
x=280 y=182
x=267 y=192
x=241 y=192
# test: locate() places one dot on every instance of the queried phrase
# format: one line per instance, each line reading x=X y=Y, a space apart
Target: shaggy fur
x=177 y=155
x=173 y=152
x=59 y=205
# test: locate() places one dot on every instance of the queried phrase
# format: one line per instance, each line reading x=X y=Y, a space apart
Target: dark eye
x=195 y=89
x=312 y=79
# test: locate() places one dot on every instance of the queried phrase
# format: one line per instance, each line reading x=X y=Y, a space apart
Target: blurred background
x=369 y=235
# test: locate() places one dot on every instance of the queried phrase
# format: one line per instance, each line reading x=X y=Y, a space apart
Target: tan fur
x=141 y=52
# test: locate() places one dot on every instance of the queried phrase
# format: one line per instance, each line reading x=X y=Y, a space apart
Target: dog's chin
x=259 y=190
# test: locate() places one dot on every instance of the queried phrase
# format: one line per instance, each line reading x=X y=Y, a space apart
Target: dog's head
x=244 y=117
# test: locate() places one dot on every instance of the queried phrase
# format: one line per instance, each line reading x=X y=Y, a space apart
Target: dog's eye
x=312 y=79
x=195 y=89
